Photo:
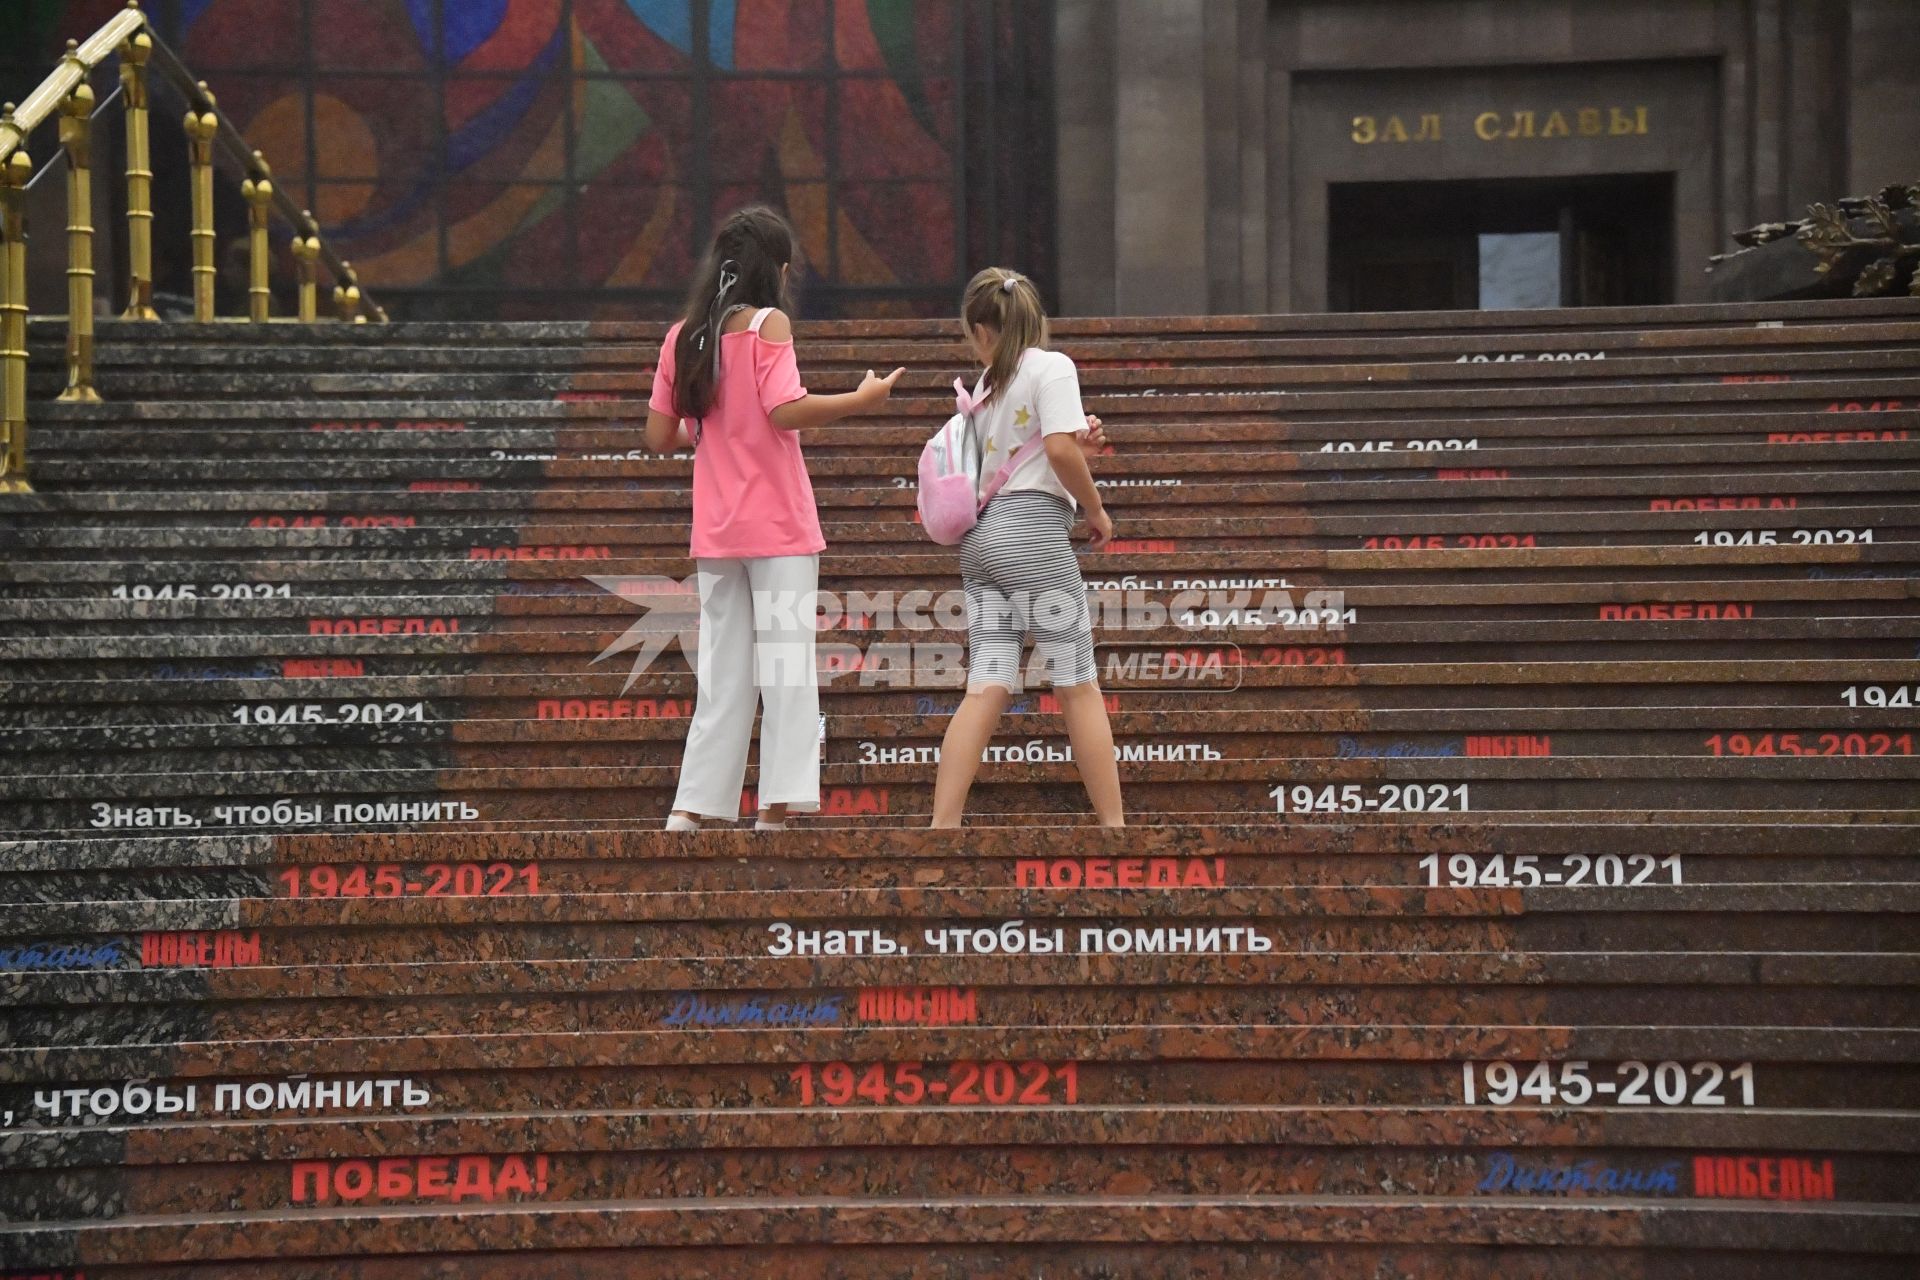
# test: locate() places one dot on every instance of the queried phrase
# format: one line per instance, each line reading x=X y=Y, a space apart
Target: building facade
x=533 y=158
x=526 y=158
x=1310 y=155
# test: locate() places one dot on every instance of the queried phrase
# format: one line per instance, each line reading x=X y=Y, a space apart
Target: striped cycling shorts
x=1021 y=577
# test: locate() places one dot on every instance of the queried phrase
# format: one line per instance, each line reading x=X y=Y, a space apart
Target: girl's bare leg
x=968 y=734
x=1092 y=737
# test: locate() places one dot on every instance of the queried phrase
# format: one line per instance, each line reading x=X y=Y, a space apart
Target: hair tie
x=716 y=314
x=1006 y=286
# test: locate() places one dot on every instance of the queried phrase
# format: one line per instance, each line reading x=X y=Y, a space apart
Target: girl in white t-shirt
x=1017 y=563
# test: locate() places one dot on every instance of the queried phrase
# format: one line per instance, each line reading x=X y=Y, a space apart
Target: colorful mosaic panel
x=569 y=152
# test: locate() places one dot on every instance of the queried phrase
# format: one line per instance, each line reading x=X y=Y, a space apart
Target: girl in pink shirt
x=727 y=386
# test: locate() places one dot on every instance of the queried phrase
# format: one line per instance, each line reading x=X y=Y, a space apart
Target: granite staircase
x=1517 y=714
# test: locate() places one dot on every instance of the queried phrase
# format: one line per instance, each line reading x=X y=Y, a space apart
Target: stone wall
x=1197 y=142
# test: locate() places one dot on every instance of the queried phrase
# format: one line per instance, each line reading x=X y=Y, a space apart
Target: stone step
x=175 y=966
x=664 y=1067
x=1459 y=324
x=873 y=807
x=401 y=786
x=367 y=537
x=935 y=565
x=1605 y=872
x=1362 y=864
x=1439 y=687
x=408 y=425
x=1462 y=491
x=1351 y=1152
x=1216 y=672
x=1270 y=600
x=1857 y=959
x=1881 y=1140
x=932 y=374
x=855 y=662
x=1574 y=505
x=401 y=912
x=390 y=822
x=1887 y=451
x=567 y=627
x=296 y=729
x=1509 y=575
x=932 y=366
x=345 y=623
x=566 y=645
x=1811 y=1070
x=1772 y=836
x=798 y=1236
x=826 y=345
x=1682 y=463
x=973 y=1259
x=211 y=536
x=296 y=430
x=407 y=399
x=164 y=348
x=1815 y=1070
x=574 y=437
x=78 y=750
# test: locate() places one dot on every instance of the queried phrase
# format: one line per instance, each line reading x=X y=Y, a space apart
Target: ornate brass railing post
x=76 y=140
x=202 y=127
x=258 y=193
x=66 y=96
x=15 y=172
x=133 y=81
x=306 y=254
x=346 y=296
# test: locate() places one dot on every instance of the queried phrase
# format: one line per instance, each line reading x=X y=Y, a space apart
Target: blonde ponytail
x=1006 y=302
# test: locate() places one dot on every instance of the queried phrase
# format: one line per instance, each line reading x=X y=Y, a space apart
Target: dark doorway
x=1498 y=244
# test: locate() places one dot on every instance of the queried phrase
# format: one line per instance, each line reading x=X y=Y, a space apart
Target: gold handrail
x=67 y=94
x=234 y=145
x=82 y=58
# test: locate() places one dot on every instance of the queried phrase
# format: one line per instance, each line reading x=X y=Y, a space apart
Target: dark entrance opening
x=1498 y=244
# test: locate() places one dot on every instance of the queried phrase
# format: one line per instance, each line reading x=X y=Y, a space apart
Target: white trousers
x=756 y=646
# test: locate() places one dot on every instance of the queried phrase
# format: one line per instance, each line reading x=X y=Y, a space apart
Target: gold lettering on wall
x=1499 y=126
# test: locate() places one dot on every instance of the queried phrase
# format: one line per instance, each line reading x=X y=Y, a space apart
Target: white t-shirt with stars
x=1042 y=399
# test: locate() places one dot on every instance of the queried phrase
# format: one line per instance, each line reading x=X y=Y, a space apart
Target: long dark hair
x=742 y=267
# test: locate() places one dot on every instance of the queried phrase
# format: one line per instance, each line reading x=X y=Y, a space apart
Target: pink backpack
x=951 y=495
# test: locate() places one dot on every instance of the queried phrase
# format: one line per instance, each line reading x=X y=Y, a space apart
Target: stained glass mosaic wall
x=523 y=158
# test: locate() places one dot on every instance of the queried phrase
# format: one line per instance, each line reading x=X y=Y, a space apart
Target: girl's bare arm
x=665 y=434
x=819 y=411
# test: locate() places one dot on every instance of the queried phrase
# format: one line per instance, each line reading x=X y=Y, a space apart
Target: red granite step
x=1872 y=1236
x=412 y=346
x=968 y=1260
x=1590 y=614
x=932 y=373
x=1674 y=318
x=177 y=1169
x=1805 y=486
x=597 y=427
